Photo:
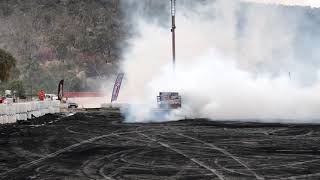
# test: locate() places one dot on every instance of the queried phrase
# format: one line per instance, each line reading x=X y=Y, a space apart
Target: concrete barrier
x=11 y=113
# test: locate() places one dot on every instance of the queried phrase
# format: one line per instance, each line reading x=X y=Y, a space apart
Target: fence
x=11 y=113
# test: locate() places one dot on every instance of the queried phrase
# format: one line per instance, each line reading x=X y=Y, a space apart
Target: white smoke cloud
x=231 y=64
x=310 y=3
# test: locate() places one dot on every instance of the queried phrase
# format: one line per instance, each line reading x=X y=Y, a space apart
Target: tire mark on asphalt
x=179 y=173
x=83 y=167
x=224 y=152
x=301 y=176
x=110 y=177
x=66 y=149
x=288 y=165
x=230 y=170
x=89 y=162
x=71 y=131
x=120 y=169
x=101 y=173
x=214 y=171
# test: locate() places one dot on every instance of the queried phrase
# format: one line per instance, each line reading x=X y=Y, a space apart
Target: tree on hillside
x=7 y=63
x=87 y=37
x=17 y=86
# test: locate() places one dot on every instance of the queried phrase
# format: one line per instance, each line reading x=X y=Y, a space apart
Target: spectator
x=41 y=95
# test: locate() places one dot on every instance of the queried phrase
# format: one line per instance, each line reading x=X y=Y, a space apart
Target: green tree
x=7 y=63
x=17 y=85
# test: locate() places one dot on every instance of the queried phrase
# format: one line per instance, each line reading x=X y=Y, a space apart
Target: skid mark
x=214 y=171
x=224 y=152
x=69 y=148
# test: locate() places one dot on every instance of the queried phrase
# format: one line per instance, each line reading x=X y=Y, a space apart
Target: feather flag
x=116 y=87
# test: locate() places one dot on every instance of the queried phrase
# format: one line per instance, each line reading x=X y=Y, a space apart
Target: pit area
x=99 y=145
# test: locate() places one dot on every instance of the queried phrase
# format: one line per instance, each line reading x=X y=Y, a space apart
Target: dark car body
x=72 y=105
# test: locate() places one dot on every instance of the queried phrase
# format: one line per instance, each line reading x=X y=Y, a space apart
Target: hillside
x=81 y=41
x=57 y=39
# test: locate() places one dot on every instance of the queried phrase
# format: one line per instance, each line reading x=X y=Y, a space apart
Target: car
x=51 y=97
x=72 y=105
x=8 y=99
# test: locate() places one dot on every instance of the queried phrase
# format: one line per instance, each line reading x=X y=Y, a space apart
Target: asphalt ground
x=99 y=145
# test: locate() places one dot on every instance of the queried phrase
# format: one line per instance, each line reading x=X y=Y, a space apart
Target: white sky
x=311 y=3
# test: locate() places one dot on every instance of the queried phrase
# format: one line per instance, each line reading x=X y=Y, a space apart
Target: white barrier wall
x=11 y=113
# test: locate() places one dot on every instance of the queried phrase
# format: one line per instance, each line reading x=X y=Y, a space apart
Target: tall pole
x=173 y=14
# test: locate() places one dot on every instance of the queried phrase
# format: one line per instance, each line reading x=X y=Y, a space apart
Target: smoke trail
x=310 y=3
x=233 y=61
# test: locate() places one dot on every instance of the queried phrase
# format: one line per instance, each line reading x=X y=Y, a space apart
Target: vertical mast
x=173 y=14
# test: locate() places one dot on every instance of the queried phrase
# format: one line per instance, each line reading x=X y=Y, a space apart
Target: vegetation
x=75 y=40
x=7 y=64
x=9 y=74
x=17 y=86
x=54 y=40
x=80 y=40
